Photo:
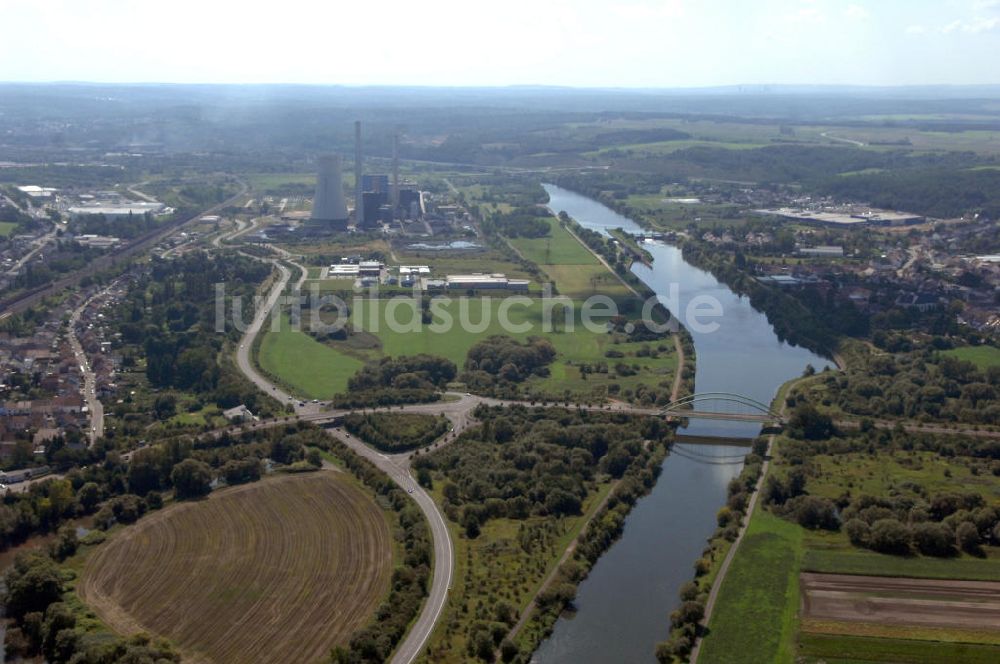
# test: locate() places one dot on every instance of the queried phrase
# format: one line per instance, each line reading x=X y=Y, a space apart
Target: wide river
x=623 y=607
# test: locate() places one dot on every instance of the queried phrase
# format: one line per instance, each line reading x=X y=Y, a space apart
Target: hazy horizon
x=636 y=45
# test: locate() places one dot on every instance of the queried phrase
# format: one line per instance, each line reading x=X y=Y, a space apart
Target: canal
x=623 y=607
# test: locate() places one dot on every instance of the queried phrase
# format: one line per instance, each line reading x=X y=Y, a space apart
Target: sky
x=581 y=43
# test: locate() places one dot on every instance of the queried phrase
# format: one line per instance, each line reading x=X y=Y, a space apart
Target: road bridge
x=727 y=406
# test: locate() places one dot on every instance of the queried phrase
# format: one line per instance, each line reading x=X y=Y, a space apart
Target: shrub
x=858 y=532
x=813 y=512
x=933 y=539
x=889 y=536
x=968 y=537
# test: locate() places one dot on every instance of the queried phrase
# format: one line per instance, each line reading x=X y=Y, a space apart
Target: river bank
x=622 y=607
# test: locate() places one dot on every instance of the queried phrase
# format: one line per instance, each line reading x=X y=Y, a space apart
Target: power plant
x=378 y=198
x=329 y=205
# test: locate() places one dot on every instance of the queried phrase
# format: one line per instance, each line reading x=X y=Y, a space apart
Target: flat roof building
x=822 y=251
x=846 y=218
x=117 y=211
x=480 y=281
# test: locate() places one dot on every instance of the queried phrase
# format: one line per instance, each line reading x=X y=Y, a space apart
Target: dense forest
x=397 y=380
x=396 y=432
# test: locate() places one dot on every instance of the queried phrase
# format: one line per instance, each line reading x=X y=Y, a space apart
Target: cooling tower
x=329 y=205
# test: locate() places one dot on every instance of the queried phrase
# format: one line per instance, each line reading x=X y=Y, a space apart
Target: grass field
x=559 y=248
x=836 y=649
x=569 y=264
x=983 y=357
x=280 y=570
x=6 y=228
x=859 y=561
x=319 y=370
x=304 y=364
x=754 y=619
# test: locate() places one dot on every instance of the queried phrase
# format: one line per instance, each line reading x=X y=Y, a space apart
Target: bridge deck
x=715 y=415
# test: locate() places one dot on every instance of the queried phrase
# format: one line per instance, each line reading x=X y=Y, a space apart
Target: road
x=396 y=467
x=94 y=404
x=838 y=139
x=39 y=244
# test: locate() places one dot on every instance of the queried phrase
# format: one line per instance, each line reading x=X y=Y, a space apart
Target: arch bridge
x=722 y=406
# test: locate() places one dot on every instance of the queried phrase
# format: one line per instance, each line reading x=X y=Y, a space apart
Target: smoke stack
x=395 y=174
x=329 y=204
x=359 y=203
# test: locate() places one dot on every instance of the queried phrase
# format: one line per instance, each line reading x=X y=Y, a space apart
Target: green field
x=834 y=649
x=317 y=370
x=754 y=619
x=983 y=357
x=6 y=228
x=570 y=265
x=858 y=561
x=559 y=248
x=303 y=364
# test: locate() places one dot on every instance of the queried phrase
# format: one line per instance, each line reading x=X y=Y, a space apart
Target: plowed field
x=280 y=570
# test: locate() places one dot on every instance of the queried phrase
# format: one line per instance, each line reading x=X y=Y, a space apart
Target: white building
x=481 y=281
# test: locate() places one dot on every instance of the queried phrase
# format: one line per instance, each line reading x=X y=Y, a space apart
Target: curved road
x=396 y=467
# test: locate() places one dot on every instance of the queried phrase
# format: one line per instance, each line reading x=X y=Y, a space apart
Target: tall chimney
x=395 y=173
x=359 y=202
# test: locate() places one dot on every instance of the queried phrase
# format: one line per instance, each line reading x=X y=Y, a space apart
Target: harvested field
x=280 y=570
x=969 y=605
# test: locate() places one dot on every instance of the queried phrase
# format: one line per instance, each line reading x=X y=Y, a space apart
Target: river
x=623 y=607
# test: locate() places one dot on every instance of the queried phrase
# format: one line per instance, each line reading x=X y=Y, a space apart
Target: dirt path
x=675 y=391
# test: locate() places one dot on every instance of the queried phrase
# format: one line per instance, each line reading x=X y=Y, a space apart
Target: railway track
x=26 y=300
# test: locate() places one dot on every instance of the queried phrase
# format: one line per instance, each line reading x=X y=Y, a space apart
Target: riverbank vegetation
x=685 y=622
x=517 y=490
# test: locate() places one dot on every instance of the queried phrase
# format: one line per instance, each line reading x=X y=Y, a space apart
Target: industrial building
x=377 y=183
x=328 y=204
x=377 y=199
x=822 y=251
x=847 y=218
x=370 y=268
x=121 y=211
x=343 y=270
x=480 y=281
